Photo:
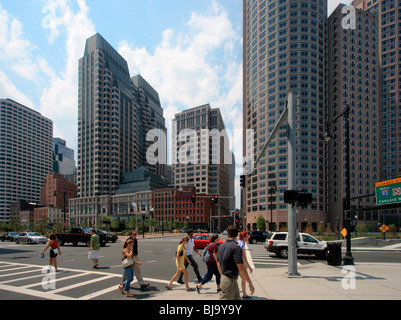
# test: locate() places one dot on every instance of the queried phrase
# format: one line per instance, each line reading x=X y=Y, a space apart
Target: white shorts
x=93 y=254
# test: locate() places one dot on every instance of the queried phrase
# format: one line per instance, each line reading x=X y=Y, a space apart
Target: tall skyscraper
x=389 y=29
x=201 y=154
x=26 y=154
x=107 y=137
x=115 y=112
x=354 y=79
x=150 y=116
x=284 y=51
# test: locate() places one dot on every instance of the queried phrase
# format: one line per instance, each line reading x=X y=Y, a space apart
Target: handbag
x=127 y=262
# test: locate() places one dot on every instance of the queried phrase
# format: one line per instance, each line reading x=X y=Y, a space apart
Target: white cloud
x=59 y=101
x=195 y=67
x=10 y=91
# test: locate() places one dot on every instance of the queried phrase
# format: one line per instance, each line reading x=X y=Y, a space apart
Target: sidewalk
x=318 y=281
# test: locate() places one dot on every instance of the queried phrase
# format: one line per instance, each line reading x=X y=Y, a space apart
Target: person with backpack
x=210 y=258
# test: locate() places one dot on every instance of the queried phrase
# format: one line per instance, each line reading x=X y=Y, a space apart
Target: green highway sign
x=388 y=192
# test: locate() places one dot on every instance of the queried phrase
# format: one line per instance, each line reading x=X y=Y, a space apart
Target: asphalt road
x=21 y=269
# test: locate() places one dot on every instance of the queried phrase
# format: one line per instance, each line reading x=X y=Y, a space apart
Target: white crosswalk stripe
x=28 y=279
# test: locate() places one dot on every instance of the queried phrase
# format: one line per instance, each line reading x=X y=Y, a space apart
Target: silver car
x=30 y=237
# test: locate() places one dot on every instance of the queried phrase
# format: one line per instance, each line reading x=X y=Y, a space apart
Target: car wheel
x=16 y=241
x=254 y=241
x=29 y=241
x=60 y=242
x=283 y=253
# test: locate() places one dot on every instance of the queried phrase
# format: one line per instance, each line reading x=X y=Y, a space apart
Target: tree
x=261 y=223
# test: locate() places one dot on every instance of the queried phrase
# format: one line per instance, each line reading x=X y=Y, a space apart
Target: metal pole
x=348 y=258
x=292 y=209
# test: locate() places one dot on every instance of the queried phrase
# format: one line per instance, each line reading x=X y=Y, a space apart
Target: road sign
x=384 y=228
x=388 y=192
x=344 y=232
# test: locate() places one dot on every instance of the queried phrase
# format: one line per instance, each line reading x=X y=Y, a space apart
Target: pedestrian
x=190 y=249
x=54 y=250
x=128 y=253
x=211 y=264
x=181 y=257
x=230 y=264
x=244 y=237
x=94 y=248
x=136 y=266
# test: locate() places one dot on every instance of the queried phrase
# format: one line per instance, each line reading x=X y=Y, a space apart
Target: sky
x=190 y=51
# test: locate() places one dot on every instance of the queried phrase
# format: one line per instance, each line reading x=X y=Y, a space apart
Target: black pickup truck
x=80 y=234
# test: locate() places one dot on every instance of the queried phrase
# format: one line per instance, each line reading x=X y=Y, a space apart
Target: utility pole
x=292 y=185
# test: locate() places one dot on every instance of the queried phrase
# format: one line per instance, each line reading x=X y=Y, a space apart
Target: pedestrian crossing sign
x=344 y=232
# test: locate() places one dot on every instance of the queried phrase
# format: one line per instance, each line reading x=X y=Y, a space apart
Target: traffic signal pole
x=292 y=185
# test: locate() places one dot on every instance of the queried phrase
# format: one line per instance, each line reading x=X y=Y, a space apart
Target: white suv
x=306 y=244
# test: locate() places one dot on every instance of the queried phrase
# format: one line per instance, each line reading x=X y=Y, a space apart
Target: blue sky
x=190 y=51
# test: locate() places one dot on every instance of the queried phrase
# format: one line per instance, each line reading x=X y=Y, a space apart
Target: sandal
x=169 y=288
x=190 y=289
x=121 y=289
x=129 y=295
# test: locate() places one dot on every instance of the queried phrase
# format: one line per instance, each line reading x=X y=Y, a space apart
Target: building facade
x=354 y=79
x=26 y=154
x=389 y=29
x=115 y=113
x=201 y=154
x=64 y=161
x=285 y=51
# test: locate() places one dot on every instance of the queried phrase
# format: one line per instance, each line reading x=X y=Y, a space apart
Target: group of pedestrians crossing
x=226 y=262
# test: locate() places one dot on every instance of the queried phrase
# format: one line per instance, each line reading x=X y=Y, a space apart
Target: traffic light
x=193 y=198
x=236 y=216
x=216 y=199
x=242 y=181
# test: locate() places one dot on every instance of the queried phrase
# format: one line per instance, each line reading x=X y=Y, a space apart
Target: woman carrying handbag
x=127 y=266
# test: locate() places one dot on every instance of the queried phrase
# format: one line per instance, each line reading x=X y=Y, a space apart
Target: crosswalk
x=69 y=284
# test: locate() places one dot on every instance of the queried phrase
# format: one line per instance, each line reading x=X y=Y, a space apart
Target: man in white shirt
x=190 y=247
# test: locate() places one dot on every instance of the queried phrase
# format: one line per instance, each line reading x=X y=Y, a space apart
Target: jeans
x=129 y=274
x=194 y=265
x=211 y=270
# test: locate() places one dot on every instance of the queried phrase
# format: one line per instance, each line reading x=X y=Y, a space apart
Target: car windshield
x=13 y=233
x=34 y=234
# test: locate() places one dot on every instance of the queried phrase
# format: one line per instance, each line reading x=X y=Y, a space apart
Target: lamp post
x=272 y=190
x=348 y=259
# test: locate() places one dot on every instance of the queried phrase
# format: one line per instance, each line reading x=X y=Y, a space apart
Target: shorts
x=93 y=254
x=53 y=253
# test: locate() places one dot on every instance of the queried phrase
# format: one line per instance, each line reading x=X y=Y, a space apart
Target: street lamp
x=272 y=190
x=348 y=259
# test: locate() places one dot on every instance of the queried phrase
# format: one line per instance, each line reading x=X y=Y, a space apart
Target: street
x=21 y=269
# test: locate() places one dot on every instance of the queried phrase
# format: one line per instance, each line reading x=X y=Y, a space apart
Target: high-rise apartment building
x=115 y=112
x=353 y=79
x=285 y=51
x=201 y=154
x=389 y=30
x=107 y=136
x=150 y=116
x=26 y=154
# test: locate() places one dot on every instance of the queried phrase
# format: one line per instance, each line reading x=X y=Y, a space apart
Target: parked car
x=306 y=244
x=8 y=236
x=258 y=236
x=202 y=240
x=30 y=237
x=110 y=237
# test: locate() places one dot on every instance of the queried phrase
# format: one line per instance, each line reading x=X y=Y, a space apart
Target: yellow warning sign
x=384 y=228
x=344 y=232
